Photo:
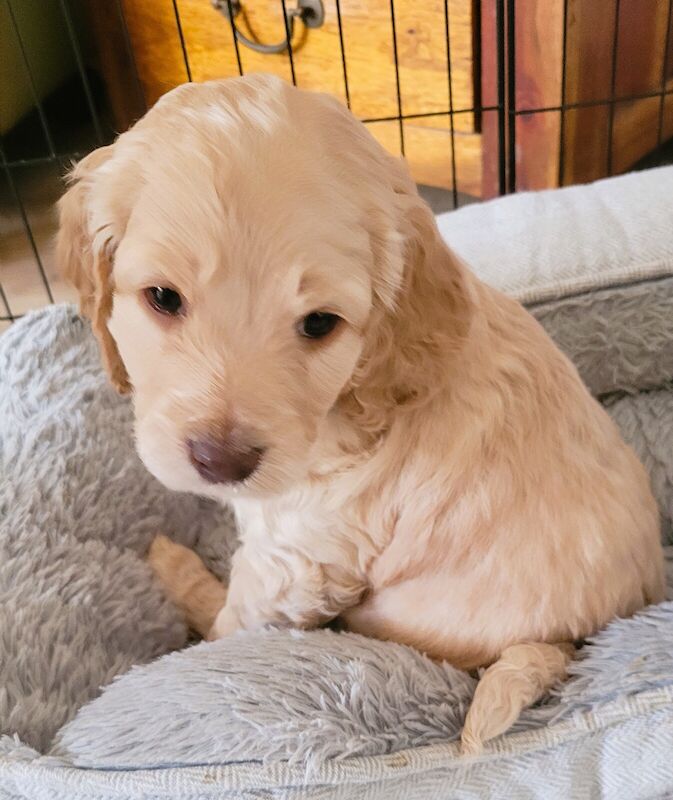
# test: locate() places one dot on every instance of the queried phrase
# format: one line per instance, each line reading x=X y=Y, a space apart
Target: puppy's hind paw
x=517 y=679
x=470 y=743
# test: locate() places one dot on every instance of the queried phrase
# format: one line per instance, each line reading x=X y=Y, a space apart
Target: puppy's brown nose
x=225 y=460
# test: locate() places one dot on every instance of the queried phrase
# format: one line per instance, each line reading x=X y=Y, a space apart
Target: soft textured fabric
x=77 y=511
x=271 y=696
x=646 y=421
x=620 y=338
x=619 y=751
x=539 y=246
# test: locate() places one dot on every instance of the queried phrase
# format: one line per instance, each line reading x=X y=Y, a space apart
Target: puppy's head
x=235 y=252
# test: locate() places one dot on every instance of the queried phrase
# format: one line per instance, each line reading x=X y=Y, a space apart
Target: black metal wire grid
x=505 y=108
x=63 y=161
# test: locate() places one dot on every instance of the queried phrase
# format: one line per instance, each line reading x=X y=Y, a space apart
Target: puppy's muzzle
x=224 y=460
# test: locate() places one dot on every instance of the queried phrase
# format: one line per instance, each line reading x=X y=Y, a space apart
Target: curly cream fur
x=435 y=471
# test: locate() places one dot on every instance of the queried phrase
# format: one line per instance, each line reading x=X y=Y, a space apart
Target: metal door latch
x=310 y=12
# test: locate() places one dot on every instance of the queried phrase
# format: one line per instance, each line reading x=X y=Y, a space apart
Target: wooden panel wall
x=638 y=70
x=593 y=137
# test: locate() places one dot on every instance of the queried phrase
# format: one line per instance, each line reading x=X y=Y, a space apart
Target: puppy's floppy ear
x=422 y=311
x=84 y=258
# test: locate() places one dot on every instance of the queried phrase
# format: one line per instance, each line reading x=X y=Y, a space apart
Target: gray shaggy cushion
x=621 y=339
x=308 y=697
x=646 y=422
x=77 y=511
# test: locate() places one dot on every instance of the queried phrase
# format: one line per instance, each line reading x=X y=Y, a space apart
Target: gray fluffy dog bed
x=80 y=607
x=90 y=682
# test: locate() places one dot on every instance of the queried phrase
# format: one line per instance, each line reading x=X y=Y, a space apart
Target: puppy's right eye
x=318 y=324
x=164 y=300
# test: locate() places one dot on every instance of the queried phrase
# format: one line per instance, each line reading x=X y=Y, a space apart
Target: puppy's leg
x=281 y=588
x=518 y=678
x=188 y=583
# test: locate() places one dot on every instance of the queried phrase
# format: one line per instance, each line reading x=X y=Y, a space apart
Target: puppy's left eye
x=164 y=300
x=318 y=324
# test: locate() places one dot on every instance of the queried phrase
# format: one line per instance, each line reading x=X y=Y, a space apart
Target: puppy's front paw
x=187 y=582
x=171 y=562
x=226 y=623
x=159 y=547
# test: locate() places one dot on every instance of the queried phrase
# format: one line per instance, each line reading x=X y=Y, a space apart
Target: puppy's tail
x=521 y=675
x=187 y=582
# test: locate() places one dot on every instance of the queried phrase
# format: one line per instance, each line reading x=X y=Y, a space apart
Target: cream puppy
x=404 y=447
